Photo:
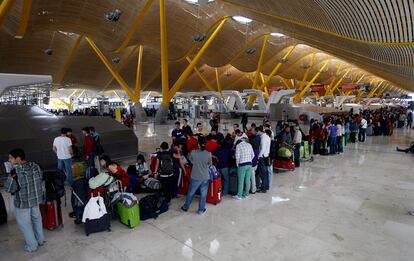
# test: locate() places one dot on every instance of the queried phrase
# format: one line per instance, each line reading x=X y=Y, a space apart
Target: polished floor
x=347 y=207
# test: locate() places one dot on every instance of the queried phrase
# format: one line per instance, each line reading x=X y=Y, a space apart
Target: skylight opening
x=242 y=19
x=277 y=34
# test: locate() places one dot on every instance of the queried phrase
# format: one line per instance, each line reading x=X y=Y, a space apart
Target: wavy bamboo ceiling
x=367 y=37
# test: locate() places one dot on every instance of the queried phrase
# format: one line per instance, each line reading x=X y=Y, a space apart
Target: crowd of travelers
x=243 y=161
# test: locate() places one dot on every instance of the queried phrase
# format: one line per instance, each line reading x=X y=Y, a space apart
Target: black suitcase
x=98 y=225
x=233 y=181
x=3 y=211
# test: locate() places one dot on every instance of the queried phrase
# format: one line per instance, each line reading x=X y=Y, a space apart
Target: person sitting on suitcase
x=26 y=183
x=115 y=170
x=200 y=176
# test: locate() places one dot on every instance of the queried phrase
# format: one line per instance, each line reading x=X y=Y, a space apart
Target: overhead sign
x=348 y=87
x=392 y=95
x=318 y=88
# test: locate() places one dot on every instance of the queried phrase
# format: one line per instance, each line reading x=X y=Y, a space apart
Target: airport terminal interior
x=207 y=130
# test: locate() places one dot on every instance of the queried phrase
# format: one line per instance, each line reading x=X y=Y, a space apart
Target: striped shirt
x=31 y=193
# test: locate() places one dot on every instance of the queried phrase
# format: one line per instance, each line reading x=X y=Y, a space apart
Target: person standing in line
x=244 y=121
x=88 y=152
x=362 y=129
x=223 y=156
x=409 y=119
x=263 y=159
x=297 y=142
x=270 y=165
x=254 y=140
x=177 y=132
x=339 y=137
x=62 y=146
x=244 y=157
x=95 y=135
x=332 y=134
x=201 y=160
x=186 y=128
x=26 y=183
x=165 y=169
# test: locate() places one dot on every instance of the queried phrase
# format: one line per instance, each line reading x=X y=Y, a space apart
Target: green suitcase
x=128 y=215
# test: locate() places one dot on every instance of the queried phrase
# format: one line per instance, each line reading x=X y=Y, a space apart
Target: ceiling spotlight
x=116 y=60
x=227 y=73
x=306 y=66
x=277 y=34
x=282 y=60
x=199 y=1
x=199 y=38
x=250 y=51
x=113 y=16
x=242 y=19
x=48 y=51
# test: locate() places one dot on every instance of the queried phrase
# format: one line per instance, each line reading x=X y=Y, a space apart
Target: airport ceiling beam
x=135 y=25
x=286 y=83
x=5 y=8
x=138 y=79
x=299 y=96
x=122 y=100
x=201 y=76
x=305 y=76
x=181 y=80
x=112 y=69
x=69 y=61
x=333 y=89
x=24 y=18
x=277 y=67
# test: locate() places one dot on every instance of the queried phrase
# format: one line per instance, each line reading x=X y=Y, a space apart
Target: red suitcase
x=284 y=164
x=184 y=182
x=51 y=215
x=153 y=162
x=214 y=194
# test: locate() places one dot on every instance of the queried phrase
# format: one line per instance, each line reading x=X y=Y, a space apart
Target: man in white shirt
x=362 y=129
x=297 y=141
x=62 y=146
x=263 y=159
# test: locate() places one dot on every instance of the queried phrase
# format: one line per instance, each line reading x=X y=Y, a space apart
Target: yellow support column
x=135 y=25
x=299 y=96
x=256 y=78
x=5 y=8
x=219 y=88
x=374 y=90
x=111 y=68
x=122 y=100
x=177 y=85
x=139 y=75
x=334 y=78
x=201 y=76
x=24 y=18
x=62 y=73
x=277 y=67
x=164 y=56
x=360 y=79
x=333 y=89
x=286 y=83
x=123 y=63
x=305 y=76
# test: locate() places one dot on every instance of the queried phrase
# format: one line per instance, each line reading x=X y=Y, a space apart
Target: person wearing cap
x=244 y=157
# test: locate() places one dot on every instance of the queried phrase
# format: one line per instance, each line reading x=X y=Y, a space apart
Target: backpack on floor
x=54 y=184
x=152 y=206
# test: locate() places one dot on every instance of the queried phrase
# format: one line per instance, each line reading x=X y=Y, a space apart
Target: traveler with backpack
x=25 y=182
x=62 y=146
x=201 y=161
x=165 y=169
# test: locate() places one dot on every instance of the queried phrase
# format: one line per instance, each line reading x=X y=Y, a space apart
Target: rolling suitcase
x=184 y=181
x=78 y=169
x=284 y=164
x=233 y=181
x=128 y=216
x=51 y=214
x=214 y=194
x=96 y=224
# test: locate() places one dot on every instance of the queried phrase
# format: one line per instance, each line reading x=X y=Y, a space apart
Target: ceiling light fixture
x=277 y=34
x=199 y=1
x=242 y=19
